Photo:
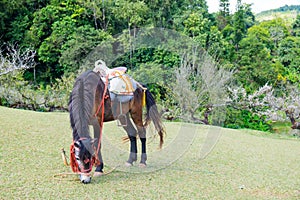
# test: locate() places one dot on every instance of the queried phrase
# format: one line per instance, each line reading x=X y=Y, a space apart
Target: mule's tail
x=154 y=116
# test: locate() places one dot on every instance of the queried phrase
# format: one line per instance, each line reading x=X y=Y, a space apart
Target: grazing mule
x=92 y=102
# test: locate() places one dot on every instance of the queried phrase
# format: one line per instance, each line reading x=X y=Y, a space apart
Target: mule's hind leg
x=142 y=135
x=131 y=132
x=137 y=119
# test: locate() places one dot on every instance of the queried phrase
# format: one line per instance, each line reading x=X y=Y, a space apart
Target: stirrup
x=120 y=118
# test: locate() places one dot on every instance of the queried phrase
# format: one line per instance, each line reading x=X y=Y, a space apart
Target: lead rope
x=102 y=117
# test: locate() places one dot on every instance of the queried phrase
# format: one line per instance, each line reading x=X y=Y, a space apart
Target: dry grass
x=243 y=165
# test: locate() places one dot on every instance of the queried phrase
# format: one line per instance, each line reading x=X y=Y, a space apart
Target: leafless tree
x=200 y=83
x=14 y=58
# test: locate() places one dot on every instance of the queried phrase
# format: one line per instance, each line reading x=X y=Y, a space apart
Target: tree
x=196 y=22
x=218 y=46
x=42 y=23
x=239 y=24
x=289 y=51
x=101 y=13
x=248 y=110
x=288 y=55
x=200 y=82
x=296 y=26
x=255 y=67
x=197 y=27
x=16 y=58
x=262 y=34
x=288 y=103
x=134 y=13
x=224 y=8
x=290 y=114
x=164 y=13
x=223 y=16
x=16 y=17
x=78 y=45
x=249 y=16
x=278 y=31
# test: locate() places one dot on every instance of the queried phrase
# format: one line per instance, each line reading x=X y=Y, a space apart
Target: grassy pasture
x=243 y=165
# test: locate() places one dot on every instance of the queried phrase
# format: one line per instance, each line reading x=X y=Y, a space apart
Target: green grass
x=284 y=129
x=243 y=165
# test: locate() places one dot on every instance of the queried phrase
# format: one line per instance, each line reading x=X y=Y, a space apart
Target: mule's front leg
x=97 y=146
x=99 y=168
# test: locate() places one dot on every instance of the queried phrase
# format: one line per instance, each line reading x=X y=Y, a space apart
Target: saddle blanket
x=121 y=86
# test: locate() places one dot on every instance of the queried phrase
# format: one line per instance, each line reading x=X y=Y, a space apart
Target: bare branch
x=14 y=58
x=199 y=81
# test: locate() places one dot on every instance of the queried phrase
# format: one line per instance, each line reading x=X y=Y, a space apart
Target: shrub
x=18 y=93
x=236 y=119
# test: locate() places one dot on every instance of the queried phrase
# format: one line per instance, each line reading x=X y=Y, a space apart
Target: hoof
x=98 y=174
x=127 y=164
x=142 y=165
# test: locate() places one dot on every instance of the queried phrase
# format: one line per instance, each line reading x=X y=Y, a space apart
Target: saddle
x=119 y=82
x=121 y=86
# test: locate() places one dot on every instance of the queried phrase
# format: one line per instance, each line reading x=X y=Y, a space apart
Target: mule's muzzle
x=85 y=179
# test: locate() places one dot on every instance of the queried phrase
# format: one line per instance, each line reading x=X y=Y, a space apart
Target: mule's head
x=84 y=154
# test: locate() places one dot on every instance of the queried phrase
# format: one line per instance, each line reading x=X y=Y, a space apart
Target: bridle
x=85 y=161
x=75 y=162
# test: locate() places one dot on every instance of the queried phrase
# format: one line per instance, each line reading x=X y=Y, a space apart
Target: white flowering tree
x=265 y=102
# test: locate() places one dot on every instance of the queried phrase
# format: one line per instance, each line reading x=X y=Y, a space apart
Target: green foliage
x=79 y=44
x=133 y=12
x=218 y=46
x=42 y=22
x=140 y=56
x=255 y=65
x=277 y=29
x=239 y=24
x=289 y=51
x=238 y=119
x=155 y=77
x=296 y=26
x=262 y=34
x=196 y=25
x=223 y=17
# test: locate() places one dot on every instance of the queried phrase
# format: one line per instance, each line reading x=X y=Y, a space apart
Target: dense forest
x=49 y=39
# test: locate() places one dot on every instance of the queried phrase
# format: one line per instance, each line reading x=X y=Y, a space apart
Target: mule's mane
x=81 y=103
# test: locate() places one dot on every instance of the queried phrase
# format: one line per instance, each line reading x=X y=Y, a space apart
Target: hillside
x=289 y=13
x=243 y=165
